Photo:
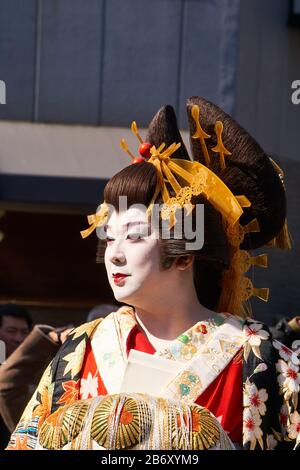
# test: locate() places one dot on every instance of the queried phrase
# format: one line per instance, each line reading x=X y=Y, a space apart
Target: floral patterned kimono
x=230 y=366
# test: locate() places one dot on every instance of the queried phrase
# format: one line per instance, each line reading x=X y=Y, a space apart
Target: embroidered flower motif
x=260 y=368
x=188 y=351
x=255 y=399
x=73 y=360
x=86 y=328
x=20 y=443
x=193 y=378
x=184 y=389
x=89 y=386
x=43 y=409
x=283 y=418
x=288 y=379
x=271 y=442
x=294 y=427
x=201 y=332
x=201 y=328
x=286 y=353
x=188 y=382
x=110 y=358
x=254 y=334
x=70 y=392
x=175 y=349
x=251 y=428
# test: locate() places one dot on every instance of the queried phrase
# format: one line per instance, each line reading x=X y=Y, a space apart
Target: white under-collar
x=157 y=343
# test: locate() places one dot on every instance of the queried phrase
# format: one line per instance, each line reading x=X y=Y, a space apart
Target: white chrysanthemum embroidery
x=283 y=418
x=271 y=442
x=251 y=428
x=286 y=353
x=294 y=427
x=89 y=387
x=288 y=379
x=254 y=334
x=255 y=399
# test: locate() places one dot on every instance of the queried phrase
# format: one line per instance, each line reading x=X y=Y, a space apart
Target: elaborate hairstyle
x=247 y=171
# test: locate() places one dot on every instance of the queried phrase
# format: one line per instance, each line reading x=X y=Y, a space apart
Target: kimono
x=231 y=369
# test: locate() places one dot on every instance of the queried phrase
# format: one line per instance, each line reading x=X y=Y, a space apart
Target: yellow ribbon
x=96 y=220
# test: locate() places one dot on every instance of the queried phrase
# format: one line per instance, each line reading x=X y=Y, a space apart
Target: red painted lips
x=119 y=277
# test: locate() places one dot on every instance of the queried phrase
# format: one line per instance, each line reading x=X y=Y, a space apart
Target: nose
x=117 y=255
x=118 y=260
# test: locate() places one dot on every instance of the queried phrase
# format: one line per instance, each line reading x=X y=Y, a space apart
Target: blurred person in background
x=28 y=352
x=15 y=325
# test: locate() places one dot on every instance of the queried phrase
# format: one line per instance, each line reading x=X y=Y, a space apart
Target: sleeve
x=288 y=380
x=271 y=418
x=65 y=364
x=21 y=373
x=25 y=436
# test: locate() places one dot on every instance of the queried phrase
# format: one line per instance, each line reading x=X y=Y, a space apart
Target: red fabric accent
x=138 y=341
x=224 y=398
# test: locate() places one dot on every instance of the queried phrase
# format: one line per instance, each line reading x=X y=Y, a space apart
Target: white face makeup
x=132 y=257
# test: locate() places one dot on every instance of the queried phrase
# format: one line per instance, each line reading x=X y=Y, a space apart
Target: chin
x=123 y=297
x=129 y=298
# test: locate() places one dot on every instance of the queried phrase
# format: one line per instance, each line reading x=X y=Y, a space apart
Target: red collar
x=139 y=341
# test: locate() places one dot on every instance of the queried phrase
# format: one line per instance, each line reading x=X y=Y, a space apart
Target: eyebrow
x=129 y=224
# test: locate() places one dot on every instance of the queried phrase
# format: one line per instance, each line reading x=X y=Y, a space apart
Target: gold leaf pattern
x=86 y=328
x=74 y=360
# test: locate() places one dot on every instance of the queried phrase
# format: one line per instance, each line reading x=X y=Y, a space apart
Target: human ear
x=184 y=262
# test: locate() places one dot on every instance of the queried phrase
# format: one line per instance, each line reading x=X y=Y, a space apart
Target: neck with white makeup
x=157 y=343
x=176 y=311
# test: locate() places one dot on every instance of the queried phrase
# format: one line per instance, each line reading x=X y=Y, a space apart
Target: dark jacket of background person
x=15 y=325
x=287 y=331
x=20 y=374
